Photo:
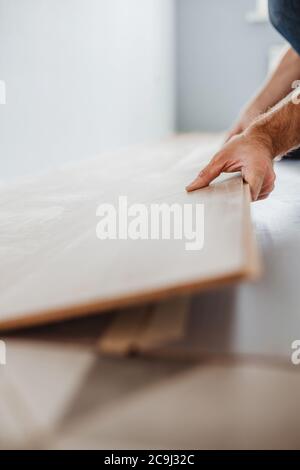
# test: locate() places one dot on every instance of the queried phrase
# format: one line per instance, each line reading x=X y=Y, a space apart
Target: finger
x=269 y=184
x=255 y=181
x=229 y=136
x=267 y=188
x=236 y=130
x=206 y=176
x=263 y=196
x=265 y=192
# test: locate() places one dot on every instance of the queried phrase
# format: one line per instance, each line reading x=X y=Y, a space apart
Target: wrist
x=258 y=136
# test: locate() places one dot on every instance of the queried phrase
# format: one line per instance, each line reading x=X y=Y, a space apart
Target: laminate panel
x=53 y=266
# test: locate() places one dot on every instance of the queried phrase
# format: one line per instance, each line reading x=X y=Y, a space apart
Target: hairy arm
x=279 y=128
x=252 y=152
x=278 y=85
x=280 y=82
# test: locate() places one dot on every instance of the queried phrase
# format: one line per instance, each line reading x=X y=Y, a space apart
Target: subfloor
x=242 y=390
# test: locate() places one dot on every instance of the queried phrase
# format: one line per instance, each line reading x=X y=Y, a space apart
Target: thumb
x=206 y=176
x=237 y=129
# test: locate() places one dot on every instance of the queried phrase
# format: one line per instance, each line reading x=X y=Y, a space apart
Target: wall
x=221 y=60
x=82 y=76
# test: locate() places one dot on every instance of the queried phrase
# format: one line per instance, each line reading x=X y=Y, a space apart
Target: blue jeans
x=285 y=17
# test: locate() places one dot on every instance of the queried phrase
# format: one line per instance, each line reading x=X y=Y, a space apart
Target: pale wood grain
x=167 y=324
x=120 y=337
x=52 y=265
x=143 y=329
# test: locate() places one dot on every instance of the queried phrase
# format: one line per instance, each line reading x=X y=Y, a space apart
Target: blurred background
x=82 y=76
x=78 y=77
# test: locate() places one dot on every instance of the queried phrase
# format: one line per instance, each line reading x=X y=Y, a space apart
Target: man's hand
x=272 y=135
x=242 y=153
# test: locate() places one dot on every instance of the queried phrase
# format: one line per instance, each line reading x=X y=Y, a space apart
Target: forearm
x=278 y=130
x=280 y=82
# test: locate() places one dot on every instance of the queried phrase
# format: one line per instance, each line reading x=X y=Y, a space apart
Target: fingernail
x=195 y=183
x=191 y=186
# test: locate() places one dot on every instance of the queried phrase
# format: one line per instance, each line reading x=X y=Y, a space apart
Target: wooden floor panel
x=53 y=266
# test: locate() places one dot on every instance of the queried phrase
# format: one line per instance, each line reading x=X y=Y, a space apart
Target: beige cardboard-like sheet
x=54 y=267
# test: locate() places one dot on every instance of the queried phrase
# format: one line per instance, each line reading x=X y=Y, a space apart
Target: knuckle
x=207 y=170
x=203 y=172
x=218 y=158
